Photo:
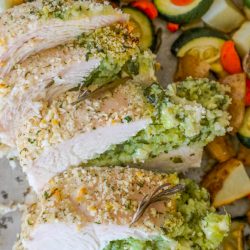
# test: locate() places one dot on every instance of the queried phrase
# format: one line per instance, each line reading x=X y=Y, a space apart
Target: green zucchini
x=204 y=43
x=182 y=14
x=242 y=38
x=223 y=15
x=244 y=131
x=143 y=27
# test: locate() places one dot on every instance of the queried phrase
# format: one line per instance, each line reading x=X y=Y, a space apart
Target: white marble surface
x=13 y=188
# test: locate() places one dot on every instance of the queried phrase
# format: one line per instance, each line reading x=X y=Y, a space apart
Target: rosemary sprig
x=83 y=94
x=162 y=193
x=86 y=93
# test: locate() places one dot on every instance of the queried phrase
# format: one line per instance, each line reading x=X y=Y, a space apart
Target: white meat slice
x=31 y=27
x=22 y=101
x=65 y=135
x=92 y=237
x=86 y=208
x=48 y=74
x=103 y=129
x=79 y=149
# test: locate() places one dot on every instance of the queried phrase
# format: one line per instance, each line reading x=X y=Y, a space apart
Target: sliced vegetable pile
x=217 y=44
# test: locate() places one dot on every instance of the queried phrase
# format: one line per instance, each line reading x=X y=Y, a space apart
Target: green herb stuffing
x=194 y=225
x=187 y=113
x=116 y=45
x=71 y=9
x=135 y=244
x=121 y=57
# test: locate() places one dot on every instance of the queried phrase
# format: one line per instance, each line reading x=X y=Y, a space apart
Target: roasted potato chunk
x=221 y=148
x=191 y=66
x=234 y=241
x=237 y=83
x=227 y=182
x=244 y=155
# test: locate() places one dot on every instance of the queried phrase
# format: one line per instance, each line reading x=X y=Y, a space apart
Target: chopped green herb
x=128 y=118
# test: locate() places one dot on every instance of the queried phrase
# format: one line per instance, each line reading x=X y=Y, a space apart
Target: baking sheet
x=13 y=185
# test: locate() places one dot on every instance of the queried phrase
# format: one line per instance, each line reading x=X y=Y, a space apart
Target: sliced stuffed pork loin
x=34 y=26
x=97 y=208
x=91 y=61
x=129 y=123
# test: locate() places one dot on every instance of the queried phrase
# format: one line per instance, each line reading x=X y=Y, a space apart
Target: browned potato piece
x=246 y=64
x=191 y=66
x=244 y=155
x=221 y=148
x=237 y=82
x=234 y=241
x=227 y=182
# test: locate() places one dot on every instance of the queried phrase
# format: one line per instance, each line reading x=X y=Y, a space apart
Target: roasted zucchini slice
x=202 y=43
x=182 y=13
x=143 y=27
